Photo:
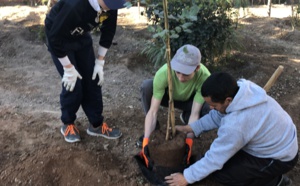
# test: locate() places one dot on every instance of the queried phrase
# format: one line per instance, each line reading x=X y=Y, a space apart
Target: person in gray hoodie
x=257 y=139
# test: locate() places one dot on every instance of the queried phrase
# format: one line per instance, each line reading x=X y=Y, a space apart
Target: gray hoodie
x=254 y=122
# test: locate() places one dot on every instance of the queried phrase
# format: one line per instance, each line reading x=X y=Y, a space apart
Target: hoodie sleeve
x=228 y=143
x=208 y=122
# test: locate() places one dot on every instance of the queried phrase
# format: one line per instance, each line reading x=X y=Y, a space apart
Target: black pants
x=86 y=92
x=186 y=106
x=244 y=169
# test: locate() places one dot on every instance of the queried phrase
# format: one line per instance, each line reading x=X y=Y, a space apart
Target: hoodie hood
x=249 y=95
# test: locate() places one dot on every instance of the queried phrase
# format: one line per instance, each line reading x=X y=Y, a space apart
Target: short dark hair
x=218 y=86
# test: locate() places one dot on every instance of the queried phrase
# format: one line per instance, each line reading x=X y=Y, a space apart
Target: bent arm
x=208 y=122
x=228 y=143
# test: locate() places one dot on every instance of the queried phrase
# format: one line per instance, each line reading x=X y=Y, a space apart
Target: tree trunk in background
x=269 y=7
x=49 y=5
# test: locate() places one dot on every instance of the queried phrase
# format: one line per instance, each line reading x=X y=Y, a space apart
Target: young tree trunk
x=171 y=117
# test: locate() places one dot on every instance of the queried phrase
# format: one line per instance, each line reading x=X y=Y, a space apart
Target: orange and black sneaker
x=104 y=131
x=70 y=133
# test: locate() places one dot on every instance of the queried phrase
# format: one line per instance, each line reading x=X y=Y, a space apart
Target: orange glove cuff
x=189 y=141
x=145 y=142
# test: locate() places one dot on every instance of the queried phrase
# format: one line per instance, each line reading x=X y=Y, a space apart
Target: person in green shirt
x=188 y=75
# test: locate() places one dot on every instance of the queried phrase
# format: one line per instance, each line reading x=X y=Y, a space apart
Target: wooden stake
x=273 y=78
x=171 y=116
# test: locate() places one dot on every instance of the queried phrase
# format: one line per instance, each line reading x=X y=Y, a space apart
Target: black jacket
x=68 y=25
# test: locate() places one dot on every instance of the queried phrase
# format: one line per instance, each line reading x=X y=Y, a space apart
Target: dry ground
x=32 y=150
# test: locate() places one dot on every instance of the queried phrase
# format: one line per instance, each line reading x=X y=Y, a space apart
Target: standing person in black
x=68 y=39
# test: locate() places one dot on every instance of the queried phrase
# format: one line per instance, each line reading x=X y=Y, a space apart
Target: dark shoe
x=139 y=143
x=70 y=133
x=104 y=131
x=184 y=117
x=285 y=181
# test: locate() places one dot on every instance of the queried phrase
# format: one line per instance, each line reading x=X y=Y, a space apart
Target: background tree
x=206 y=24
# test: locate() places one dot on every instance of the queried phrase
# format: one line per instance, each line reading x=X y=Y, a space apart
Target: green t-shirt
x=181 y=91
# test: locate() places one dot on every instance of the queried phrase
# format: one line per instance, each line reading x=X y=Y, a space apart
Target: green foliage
x=203 y=23
x=41 y=33
x=240 y=3
x=295 y=19
x=155 y=53
x=37 y=32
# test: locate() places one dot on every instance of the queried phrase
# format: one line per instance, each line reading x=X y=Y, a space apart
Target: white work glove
x=98 y=70
x=70 y=77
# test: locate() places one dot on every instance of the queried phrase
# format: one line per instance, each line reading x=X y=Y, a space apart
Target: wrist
x=65 y=62
x=145 y=141
x=100 y=58
x=102 y=52
x=100 y=62
x=68 y=66
x=189 y=141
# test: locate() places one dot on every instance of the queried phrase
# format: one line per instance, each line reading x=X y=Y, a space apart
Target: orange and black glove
x=189 y=144
x=145 y=154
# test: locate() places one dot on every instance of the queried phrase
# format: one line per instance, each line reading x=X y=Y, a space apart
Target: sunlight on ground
x=12 y=13
x=277 y=11
x=296 y=61
x=127 y=16
x=134 y=13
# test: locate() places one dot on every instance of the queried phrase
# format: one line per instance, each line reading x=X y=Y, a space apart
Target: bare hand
x=176 y=179
x=184 y=128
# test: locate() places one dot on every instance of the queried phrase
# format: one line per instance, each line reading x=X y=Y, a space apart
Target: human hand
x=70 y=77
x=176 y=179
x=145 y=154
x=184 y=128
x=98 y=70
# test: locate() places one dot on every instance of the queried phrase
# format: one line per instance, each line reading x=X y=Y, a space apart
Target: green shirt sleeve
x=160 y=82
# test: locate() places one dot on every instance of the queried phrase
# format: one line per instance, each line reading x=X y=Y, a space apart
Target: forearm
x=193 y=117
x=207 y=122
x=195 y=112
x=150 y=123
x=65 y=62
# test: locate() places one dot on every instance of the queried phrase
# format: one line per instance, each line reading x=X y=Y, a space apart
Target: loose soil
x=33 y=151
